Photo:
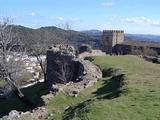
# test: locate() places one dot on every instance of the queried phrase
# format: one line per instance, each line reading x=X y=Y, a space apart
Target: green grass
x=33 y=93
x=140 y=102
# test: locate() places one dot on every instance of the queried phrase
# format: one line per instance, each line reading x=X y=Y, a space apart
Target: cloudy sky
x=134 y=16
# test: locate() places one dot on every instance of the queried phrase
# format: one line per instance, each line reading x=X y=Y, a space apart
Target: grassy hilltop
x=139 y=99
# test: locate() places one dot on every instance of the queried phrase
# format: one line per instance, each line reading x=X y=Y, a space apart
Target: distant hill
x=92 y=32
x=139 y=37
x=54 y=35
x=143 y=37
x=57 y=35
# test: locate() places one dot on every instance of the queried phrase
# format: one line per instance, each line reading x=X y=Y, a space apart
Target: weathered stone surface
x=38 y=113
x=62 y=66
x=90 y=76
x=47 y=98
x=93 y=53
x=76 y=74
x=154 y=59
x=13 y=115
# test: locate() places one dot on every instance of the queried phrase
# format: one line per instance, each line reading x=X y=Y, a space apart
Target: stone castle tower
x=111 y=38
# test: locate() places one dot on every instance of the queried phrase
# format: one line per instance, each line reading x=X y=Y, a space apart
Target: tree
x=37 y=50
x=67 y=25
x=11 y=54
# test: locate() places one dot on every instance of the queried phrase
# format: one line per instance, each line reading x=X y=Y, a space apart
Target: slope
x=54 y=35
x=138 y=101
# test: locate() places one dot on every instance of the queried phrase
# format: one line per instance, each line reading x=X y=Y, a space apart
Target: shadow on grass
x=33 y=93
x=111 y=88
x=78 y=111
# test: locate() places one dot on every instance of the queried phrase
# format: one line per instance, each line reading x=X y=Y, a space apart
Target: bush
x=89 y=58
x=110 y=72
x=149 y=51
x=85 y=48
x=136 y=52
x=144 y=51
x=25 y=76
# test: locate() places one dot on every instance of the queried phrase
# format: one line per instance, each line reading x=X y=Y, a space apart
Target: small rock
x=12 y=115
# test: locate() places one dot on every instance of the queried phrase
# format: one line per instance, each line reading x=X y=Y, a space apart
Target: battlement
x=113 y=31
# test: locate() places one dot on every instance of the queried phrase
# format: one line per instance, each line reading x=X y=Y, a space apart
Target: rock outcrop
x=13 y=115
x=36 y=114
x=63 y=67
x=153 y=59
x=72 y=73
x=91 y=74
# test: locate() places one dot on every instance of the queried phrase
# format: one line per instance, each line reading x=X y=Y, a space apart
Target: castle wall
x=111 y=38
x=122 y=49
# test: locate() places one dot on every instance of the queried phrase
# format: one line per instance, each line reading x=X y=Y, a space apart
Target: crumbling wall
x=63 y=67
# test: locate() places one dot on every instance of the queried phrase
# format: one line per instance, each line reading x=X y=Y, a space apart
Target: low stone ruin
x=91 y=73
x=63 y=67
x=153 y=59
x=13 y=115
x=36 y=114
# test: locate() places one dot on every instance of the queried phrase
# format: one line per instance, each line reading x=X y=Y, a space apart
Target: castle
x=111 y=38
x=113 y=43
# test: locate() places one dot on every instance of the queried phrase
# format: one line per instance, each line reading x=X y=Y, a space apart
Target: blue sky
x=134 y=16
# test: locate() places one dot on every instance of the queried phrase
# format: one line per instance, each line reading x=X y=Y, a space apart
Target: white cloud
x=33 y=14
x=138 y=20
x=60 y=18
x=141 y=20
x=71 y=19
x=107 y=4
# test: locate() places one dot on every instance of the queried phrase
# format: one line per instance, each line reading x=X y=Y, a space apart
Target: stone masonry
x=111 y=38
x=64 y=68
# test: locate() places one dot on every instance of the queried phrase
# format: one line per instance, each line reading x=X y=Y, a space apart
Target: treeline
x=54 y=35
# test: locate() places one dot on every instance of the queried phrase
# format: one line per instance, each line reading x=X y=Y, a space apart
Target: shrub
x=149 y=51
x=109 y=72
x=137 y=51
x=25 y=76
x=89 y=58
x=144 y=51
x=85 y=48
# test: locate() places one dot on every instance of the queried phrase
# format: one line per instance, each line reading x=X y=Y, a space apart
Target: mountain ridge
x=54 y=35
x=139 y=37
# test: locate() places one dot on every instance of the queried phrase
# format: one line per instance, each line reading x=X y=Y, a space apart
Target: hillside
x=93 y=32
x=54 y=35
x=138 y=100
x=142 y=37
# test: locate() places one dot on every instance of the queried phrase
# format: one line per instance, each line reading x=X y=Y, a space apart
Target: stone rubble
x=75 y=73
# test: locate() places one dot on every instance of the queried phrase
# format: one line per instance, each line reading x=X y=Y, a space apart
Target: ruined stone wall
x=123 y=49
x=63 y=67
